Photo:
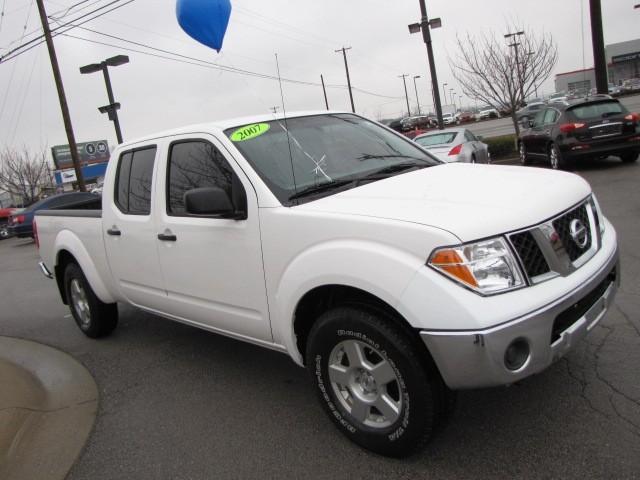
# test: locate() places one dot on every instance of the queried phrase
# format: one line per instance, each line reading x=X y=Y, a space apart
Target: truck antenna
x=286 y=127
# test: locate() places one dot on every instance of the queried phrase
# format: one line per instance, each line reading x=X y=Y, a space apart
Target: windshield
x=436 y=139
x=323 y=151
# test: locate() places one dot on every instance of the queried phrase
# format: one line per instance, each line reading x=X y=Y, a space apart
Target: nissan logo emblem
x=578 y=232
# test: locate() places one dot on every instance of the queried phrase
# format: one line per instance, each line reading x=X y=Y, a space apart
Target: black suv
x=586 y=128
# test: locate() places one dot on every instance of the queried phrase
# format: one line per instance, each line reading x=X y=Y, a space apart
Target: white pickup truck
x=395 y=279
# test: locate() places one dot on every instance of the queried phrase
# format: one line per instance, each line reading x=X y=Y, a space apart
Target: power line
x=203 y=63
x=55 y=30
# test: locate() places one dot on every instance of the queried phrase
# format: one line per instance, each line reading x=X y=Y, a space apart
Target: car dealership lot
x=177 y=402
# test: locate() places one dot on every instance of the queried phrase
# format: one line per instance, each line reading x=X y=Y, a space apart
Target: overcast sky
x=157 y=94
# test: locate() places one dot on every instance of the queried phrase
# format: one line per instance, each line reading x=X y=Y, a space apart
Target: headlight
x=486 y=267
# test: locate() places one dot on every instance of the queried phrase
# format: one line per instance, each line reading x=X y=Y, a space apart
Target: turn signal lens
x=570 y=127
x=450 y=262
x=456 y=150
x=486 y=267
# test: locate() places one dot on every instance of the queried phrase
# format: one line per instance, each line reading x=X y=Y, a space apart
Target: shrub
x=502 y=146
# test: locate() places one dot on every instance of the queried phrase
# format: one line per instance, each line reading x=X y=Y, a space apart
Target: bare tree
x=502 y=76
x=23 y=173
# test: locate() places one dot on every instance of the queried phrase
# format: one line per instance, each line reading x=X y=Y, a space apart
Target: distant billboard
x=96 y=151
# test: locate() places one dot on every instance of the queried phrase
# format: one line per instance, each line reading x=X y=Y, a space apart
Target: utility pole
x=515 y=46
x=426 y=25
x=597 y=38
x=406 y=94
x=346 y=67
x=415 y=85
x=73 y=147
x=444 y=91
x=324 y=89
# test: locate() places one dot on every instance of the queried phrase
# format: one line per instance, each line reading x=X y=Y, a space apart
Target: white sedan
x=455 y=145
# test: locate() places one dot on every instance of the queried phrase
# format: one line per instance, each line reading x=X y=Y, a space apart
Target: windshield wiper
x=386 y=171
x=321 y=188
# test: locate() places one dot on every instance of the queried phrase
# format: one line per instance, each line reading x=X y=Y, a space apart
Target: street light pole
x=425 y=25
x=416 y=88
x=444 y=91
x=113 y=107
x=346 y=67
x=406 y=94
x=451 y=96
x=597 y=39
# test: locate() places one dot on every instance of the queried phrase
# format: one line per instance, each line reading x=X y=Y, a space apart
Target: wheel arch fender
x=353 y=264
x=68 y=244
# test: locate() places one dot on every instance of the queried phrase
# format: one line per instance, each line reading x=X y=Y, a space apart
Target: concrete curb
x=48 y=404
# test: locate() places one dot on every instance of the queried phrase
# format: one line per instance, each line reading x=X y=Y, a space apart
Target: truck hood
x=471 y=201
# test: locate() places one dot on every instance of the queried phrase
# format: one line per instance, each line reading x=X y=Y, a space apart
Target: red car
x=4 y=220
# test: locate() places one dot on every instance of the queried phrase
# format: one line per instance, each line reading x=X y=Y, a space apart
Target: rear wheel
x=629 y=157
x=94 y=317
x=522 y=150
x=556 y=160
x=473 y=159
x=374 y=382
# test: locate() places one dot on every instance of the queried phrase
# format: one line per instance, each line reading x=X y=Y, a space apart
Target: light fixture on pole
x=515 y=46
x=415 y=85
x=113 y=107
x=425 y=25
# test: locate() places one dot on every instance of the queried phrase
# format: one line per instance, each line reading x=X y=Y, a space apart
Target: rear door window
x=550 y=116
x=134 y=181
x=597 y=110
x=539 y=119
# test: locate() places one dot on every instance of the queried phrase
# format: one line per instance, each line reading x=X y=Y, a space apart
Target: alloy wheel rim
x=365 y=384
x=80 y=302
x=554 y=158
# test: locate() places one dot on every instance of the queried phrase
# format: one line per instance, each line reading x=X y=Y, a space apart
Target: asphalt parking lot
x=179 y=403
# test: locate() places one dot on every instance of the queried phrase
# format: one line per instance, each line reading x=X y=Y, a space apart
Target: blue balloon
x=204 y=20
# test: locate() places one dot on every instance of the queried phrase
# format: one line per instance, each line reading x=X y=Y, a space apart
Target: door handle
x=114 y=232
x=167 y=237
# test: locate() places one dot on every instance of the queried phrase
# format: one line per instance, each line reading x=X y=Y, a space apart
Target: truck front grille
x=530 y=254
x=558 y=246
x=563 y=227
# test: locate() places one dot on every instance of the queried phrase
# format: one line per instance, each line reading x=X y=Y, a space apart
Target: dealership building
x=623 y=62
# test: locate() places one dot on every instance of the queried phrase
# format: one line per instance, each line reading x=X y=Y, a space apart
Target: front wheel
x=629 y=157
x=94 y=317
x=373 y=381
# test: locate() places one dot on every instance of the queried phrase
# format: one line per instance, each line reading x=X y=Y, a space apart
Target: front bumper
x=474 y=359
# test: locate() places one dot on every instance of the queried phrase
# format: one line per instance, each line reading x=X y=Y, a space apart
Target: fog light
x=517 y=354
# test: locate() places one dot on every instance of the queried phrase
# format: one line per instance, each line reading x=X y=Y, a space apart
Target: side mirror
x=208 y=201
x=479 y=138
x=532 y=123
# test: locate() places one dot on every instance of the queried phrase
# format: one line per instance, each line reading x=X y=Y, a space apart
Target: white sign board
x=68 y=176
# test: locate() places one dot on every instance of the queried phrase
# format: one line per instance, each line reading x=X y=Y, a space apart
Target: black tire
x=416 y=382
x=95 y=318
x=4 y=232
x=629 y=157
x=522 y=152
x=556 y=159
x=473 y=159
